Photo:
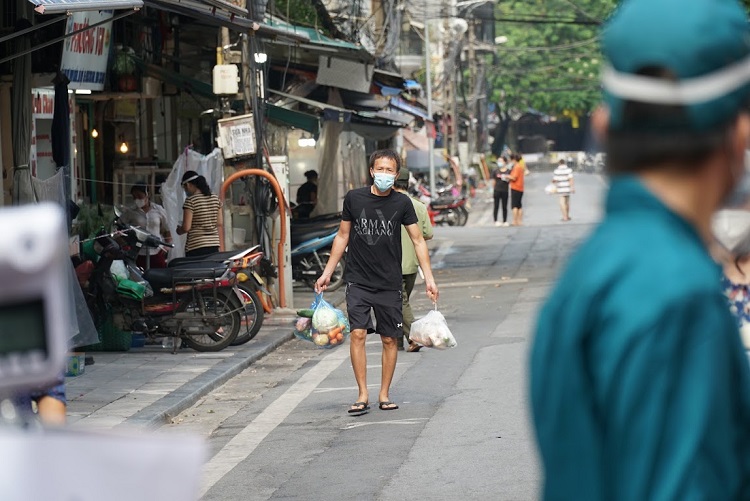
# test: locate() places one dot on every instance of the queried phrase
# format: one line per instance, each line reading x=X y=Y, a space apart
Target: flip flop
x=387 y=406
x=359 y=408
x=414 y=347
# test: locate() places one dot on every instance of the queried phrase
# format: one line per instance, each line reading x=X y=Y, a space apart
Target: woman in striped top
x=201 y=216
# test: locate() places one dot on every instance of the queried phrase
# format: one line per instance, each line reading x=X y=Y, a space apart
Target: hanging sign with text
x=85 y=54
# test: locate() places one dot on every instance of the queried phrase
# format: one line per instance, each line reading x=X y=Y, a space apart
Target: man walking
x=640 y=387
x=562 y=177
x=409 y=261
x=370 y=226
x=516 y=189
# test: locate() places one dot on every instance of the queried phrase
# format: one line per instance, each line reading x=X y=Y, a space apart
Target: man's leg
x=566 y=207
x=390 y=354
x=359 y=361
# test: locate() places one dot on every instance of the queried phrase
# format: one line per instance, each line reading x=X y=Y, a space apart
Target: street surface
x=280 y=430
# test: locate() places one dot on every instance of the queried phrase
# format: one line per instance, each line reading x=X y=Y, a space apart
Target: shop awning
x=215 y=12
x=293 y=118
x=419 y=161
x=64 y=6
x=412 y=109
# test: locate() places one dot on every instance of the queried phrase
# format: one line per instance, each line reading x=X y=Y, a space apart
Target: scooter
x=197 y=303
x=249 y=283
x=446 y=208
x=311 y=241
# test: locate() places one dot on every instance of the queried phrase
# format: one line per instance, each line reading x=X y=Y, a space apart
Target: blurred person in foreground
x=640 y=388
x=732 y=231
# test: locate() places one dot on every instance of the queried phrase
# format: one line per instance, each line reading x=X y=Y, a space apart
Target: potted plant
x=124 y=69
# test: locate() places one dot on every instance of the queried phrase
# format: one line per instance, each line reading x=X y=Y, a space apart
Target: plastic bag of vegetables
x=322 y=324
x=432 y=331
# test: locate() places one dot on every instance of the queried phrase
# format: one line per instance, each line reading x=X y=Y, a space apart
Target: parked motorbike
x=446 y=208
x=197 y=303
x=311 y=241
x=249 y=283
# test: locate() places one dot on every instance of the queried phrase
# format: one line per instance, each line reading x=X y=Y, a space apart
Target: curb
x=166 y=408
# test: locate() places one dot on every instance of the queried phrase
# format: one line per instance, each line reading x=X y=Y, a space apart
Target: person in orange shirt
x=516 y=190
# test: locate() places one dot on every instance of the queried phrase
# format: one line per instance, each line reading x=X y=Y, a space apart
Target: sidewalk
x=147 y=386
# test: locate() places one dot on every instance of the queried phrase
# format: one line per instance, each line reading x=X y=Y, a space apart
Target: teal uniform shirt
x=640 y=387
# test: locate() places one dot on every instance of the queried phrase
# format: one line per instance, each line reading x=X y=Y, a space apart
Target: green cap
x=704 y=44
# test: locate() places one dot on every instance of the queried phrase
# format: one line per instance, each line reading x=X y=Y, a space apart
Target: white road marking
x=485 y=282
x=343 y=388
x=440 y=253
x=247 y=440
x=395 y=421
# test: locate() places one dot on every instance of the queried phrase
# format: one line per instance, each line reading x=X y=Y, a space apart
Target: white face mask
x=731 y=227
x=140 y=203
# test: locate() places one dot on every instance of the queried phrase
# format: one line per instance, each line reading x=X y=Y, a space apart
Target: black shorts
x=360 y=301
x=515 y=199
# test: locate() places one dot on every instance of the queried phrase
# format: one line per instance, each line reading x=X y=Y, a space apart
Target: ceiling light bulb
x=124 y=147
x=94 y=133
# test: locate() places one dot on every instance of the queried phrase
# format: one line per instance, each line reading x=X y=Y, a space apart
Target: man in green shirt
x=409 y=262
x=640 y=388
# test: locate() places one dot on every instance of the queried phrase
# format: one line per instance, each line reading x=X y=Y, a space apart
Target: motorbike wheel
x=452 y=217
x=225 y=304
x=253 y=315
x=462 y=216
x=337 y=279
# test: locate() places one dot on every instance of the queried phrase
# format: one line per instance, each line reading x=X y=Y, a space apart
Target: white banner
x=85 y=54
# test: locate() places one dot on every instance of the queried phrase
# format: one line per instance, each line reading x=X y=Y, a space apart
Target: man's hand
x=321 y=284
x=432 y=290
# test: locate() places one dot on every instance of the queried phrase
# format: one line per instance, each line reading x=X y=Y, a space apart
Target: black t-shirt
x=501 y=179
x=304 y=192
x=374 y=256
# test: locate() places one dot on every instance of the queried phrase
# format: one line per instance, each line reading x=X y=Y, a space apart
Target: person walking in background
x=516 y=178
x=371 y=229
x=640 y=387
x=201 y=216
x=150 y=217
x=501 y=178
x=562 y=178
x=307 y=195
x=409 y=261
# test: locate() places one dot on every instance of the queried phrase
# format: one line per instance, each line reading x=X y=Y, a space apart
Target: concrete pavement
x=148 y=386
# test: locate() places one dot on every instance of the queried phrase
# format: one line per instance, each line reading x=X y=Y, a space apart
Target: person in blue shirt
x=640 y=389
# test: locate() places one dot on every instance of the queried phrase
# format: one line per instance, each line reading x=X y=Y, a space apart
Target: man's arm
x=423 y=256
x=339 y=246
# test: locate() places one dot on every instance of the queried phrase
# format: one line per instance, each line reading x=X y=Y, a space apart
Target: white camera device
x=35 y=313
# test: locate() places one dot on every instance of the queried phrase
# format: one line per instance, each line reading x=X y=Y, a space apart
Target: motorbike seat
x=167 y=277
x=215 y=257
x=310 y=233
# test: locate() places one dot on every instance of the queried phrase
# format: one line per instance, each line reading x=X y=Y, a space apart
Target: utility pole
x=428 y=78
x=472 y=102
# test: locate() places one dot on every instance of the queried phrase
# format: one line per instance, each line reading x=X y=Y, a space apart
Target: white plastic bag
x=432 y=331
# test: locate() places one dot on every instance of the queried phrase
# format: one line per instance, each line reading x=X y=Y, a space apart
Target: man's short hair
x=635 y=146
x=139 y=188
x=378 y=154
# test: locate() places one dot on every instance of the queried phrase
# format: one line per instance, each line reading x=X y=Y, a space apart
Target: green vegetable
x=307 y=313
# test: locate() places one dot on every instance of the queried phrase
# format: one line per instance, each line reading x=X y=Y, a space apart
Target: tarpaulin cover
x=210 y=166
